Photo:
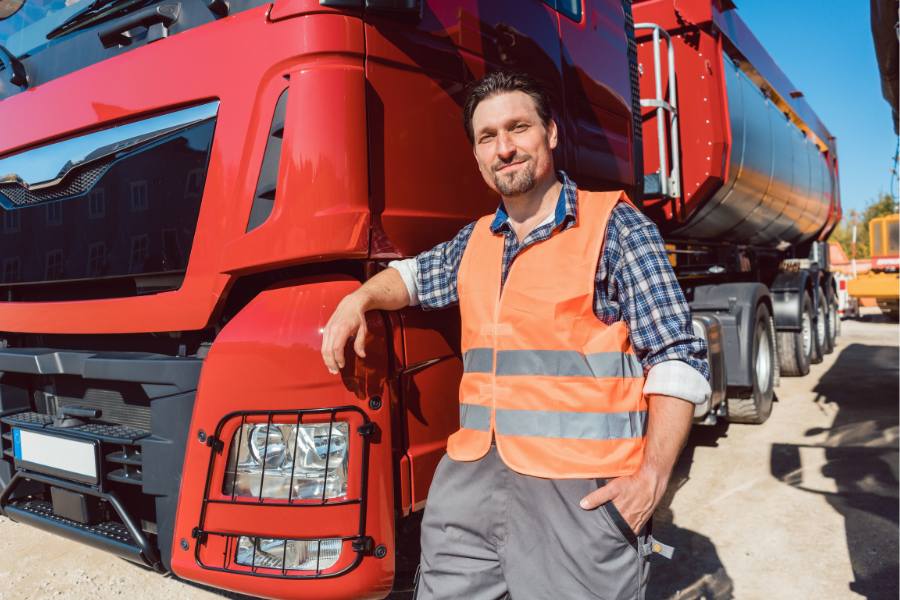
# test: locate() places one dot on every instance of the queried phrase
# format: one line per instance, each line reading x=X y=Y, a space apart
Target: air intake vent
x=268 y=173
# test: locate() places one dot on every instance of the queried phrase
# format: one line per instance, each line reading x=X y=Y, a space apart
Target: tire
x=828 y=324
x=834 y=324
x=819 y=344
x=758 y=406
x=796 y=346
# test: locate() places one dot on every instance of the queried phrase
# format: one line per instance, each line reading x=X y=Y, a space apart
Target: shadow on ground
x=861 y=459
x=696 y=570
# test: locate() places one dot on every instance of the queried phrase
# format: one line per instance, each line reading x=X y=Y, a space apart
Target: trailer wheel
x=758 y=406
x=796 y=346
x=834 y=324
x=820 y=333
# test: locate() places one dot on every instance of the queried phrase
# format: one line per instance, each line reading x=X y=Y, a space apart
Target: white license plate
x=55 y=455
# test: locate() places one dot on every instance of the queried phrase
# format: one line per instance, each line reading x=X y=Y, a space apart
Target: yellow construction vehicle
x=883 y=281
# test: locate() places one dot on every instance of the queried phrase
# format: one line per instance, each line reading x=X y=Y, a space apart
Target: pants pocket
x=619 y=522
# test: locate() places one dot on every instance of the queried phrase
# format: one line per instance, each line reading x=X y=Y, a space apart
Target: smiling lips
x=506 y=166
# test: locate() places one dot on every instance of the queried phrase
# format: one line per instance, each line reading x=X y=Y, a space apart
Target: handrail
x=669 y=181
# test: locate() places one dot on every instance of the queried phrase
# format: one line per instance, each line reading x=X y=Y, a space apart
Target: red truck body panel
x=268 y=358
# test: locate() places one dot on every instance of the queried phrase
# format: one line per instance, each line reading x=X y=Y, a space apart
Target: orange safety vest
x=561 y=391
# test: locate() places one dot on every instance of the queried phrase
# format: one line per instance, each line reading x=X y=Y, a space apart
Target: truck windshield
x=24 y=24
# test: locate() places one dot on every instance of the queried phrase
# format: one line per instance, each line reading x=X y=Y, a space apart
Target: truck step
x=105 y=432
x=110 y=536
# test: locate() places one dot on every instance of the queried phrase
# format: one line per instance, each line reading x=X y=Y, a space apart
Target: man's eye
x=485 y=138
x=520 y=127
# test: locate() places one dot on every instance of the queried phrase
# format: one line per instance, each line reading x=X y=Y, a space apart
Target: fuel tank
x=757 y=166
x=778 y=188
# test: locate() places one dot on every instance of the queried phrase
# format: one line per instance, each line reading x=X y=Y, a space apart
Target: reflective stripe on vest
x=560 y=390
x=553 y=362
x=554 y=424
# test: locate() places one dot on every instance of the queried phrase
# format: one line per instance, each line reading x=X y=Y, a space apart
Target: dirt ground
x=805 y=506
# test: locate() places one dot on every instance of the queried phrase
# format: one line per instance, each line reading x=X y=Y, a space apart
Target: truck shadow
x=855 y=468
x=696 y=570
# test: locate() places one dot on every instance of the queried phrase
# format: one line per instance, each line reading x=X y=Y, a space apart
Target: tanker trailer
x=741 y=176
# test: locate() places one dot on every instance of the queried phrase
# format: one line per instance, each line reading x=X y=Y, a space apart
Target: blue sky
x=825 y=48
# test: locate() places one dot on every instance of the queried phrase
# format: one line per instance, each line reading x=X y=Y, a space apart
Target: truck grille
x=110 y=402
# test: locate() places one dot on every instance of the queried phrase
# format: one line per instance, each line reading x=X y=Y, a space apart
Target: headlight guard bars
x=359 y=542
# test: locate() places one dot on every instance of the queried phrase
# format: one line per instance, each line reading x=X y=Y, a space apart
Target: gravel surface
x=805 y=506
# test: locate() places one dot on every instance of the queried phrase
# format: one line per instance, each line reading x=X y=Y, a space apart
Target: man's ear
x=552 y=134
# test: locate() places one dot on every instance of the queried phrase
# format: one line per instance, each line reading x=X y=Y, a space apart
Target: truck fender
x=787 y=298
x=734 y=306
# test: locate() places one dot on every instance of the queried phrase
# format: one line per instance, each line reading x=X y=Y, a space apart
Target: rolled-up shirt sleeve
x=641 y=283
x=408 y=273
x=430 y=277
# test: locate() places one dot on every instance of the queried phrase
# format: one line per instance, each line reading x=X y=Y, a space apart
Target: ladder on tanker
x=666 y=182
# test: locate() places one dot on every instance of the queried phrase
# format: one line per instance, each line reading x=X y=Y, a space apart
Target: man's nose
x=506 y=149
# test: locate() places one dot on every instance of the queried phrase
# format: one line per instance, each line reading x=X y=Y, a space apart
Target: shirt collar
x=566 y=206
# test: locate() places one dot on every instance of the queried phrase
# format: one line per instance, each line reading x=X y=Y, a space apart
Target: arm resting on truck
x=384 y=291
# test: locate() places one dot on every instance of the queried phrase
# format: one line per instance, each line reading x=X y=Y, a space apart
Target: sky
x=825 y=48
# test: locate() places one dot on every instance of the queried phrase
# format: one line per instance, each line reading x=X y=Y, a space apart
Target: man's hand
x=348 y=319
x=635 y=496
x=384 y=291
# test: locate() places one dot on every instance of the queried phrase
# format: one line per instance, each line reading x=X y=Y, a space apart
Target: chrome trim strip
x=46 y=166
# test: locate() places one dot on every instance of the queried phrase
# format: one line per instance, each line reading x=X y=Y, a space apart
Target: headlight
x=290 y=555
x=295 y=458
x=267 y=444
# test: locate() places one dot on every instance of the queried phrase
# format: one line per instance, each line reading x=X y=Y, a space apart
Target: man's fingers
x=327 y=355
x=359 y=344
x=335 y=334
x=597 y=497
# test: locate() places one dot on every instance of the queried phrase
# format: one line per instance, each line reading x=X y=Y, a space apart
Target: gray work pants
x=489 y=533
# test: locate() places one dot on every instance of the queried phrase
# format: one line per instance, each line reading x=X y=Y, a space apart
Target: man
x=580 y=372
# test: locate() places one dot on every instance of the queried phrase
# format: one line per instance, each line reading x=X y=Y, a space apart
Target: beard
x=517 y=182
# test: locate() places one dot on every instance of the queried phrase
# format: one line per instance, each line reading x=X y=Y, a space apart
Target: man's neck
x=528 y=210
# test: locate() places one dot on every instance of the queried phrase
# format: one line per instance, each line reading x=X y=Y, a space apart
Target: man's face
x=513 y=148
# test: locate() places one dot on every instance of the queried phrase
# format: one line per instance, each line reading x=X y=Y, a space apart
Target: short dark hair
x=500 y=82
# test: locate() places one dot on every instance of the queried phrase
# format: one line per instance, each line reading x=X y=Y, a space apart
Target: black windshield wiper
x=13 y=66
x=97 y=11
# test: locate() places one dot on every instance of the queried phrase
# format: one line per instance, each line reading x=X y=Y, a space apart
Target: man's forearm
x=668 y=424
x=384 y=291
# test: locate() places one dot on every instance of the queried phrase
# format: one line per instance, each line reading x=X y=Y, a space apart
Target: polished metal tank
x=778 y=189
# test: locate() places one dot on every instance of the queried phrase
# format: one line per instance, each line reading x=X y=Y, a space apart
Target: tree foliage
x=843 y=233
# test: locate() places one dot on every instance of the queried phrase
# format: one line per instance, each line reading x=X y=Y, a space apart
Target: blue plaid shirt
x=634 y=283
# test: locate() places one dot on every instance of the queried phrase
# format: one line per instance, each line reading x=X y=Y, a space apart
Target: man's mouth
x=507 y=166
